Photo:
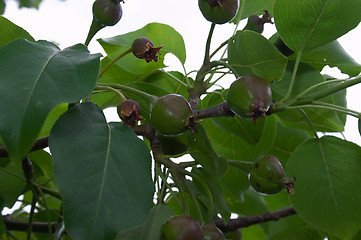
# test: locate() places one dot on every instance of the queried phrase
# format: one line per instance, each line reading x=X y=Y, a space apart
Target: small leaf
x=103 y=171
x=12 y=183
x=313 y=23
x=250 y=52
x=200 y=148
x=150 y=229
x=35 y=77
x=159 y=34
x=249 y=7
x=29 y=3
x=326 y=186
x=215 y=187
x=10 y=31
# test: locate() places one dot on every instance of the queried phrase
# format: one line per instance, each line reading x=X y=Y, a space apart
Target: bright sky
x=67 y=23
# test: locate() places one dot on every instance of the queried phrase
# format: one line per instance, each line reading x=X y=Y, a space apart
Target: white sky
x=67 y=23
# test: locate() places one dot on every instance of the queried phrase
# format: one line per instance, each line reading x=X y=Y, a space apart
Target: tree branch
x=220 y=110
x=243 y=222
x=13 y=225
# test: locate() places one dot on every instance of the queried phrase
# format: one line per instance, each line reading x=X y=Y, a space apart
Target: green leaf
x=253 y=232
x=159 y=34
x=215 y=187
x=36 y=77
x=251 y=203
x=322 y=120
x=10 y=31
x=29 y=3
x=292 y=228
x=287 y=139
x=50 y=120
x=239 y=127
x=2 y=7
x=12 y=183
x=331 y=54
x=166 y=81
x=234 y=183
x=250 y=52
x=313 y=23
x=116 y=74
x=200 y=148
x=43 y=161
x=228 y=145
x=249 y=7
x=150 y=229
x=325 y=192
x=103 y=171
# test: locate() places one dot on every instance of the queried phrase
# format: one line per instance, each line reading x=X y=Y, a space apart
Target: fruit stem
x=31 y=217
x=324 y=106
x=309 y=123
x=293 y=78
x=110 y=89
x=323 y=93
x=126 y=52
x=246 y=167
x=299 y=96
x=146 y=96
x=94 y=28
x=219 y=48
x=227 y=65
x=199 y=87
x=207 y=60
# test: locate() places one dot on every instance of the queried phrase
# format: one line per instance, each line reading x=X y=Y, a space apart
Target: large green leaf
x=35 y=77
x=10 y=32
x=322 y=120
x=150 y=229
x=103 y=171
x=250 y=52
x=331 y=54
x=307 y=24
x=159 y=34
x=328 y=173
